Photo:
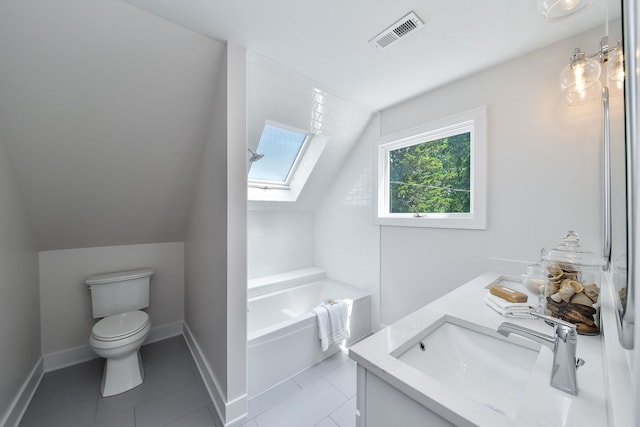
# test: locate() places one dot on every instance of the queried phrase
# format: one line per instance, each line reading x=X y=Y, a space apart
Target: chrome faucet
x=563 y=344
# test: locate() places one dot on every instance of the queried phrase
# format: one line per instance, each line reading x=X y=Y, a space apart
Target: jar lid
x=570 y=251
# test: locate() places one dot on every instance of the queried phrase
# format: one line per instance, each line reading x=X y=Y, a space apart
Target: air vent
x=401 y=29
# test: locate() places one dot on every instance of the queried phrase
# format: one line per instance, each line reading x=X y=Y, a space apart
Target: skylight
x=282 y=148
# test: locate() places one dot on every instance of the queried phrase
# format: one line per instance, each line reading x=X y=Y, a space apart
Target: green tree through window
x=432 y=176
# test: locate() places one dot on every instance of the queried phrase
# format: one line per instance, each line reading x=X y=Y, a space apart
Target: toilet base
x=122 y=374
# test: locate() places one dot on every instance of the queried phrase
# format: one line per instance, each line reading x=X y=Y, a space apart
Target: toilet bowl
x=118 y=338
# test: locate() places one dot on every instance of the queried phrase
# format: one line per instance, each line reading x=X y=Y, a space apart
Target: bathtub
x=282 y=332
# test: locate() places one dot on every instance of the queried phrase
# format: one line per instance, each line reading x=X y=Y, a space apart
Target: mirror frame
x=626 y=315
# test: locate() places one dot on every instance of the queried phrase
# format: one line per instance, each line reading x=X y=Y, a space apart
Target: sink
x=488 y=369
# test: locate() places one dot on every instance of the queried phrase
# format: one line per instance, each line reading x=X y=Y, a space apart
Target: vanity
x=446 y=365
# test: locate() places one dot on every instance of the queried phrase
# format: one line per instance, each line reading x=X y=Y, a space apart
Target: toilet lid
x=120 y=325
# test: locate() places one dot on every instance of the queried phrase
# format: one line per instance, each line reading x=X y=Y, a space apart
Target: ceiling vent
x=409 y=24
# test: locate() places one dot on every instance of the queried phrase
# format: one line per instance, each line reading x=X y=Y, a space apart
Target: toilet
x=117 y=298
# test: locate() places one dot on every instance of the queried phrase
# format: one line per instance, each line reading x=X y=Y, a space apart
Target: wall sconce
x=580 y=80
x=557 y=10
x=615 y=70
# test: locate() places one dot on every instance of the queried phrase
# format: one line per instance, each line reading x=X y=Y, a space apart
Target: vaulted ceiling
x=104 y=104
x=102 y=112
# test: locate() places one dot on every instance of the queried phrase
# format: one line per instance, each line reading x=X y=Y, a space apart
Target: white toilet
x=118 y=298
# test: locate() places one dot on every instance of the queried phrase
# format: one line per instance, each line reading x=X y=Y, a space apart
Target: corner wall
x=20 y=362
x=544 y=178
x=215 y=248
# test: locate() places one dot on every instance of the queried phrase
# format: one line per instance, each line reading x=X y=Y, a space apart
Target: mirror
x=625 y=224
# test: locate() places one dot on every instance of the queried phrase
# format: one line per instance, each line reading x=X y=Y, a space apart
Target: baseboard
x=23 y=398
x=229 y=413
x=163 y=332
x=83 y=353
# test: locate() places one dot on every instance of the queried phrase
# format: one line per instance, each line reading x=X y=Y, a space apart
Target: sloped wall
x=19 y=296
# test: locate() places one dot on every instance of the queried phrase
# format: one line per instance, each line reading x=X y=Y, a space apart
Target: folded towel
x=322 y=314
x=510 y=309
x=332 y=323
x=338 y=313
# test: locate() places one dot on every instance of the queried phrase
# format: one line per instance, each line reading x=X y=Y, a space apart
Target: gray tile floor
x=173 y=395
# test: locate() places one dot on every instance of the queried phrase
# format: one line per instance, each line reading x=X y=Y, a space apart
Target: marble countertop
x=542 y=405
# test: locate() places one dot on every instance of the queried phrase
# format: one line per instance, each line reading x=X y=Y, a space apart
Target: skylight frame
x=286 y=184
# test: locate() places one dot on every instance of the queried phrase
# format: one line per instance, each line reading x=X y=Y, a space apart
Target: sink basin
x=490 y=370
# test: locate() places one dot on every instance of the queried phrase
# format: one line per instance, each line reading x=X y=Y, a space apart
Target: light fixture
x=557 y=10
x=580 y=80
x=615 y=70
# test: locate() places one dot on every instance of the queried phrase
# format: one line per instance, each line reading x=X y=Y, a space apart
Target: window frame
x=286 y=184
x=473 y=121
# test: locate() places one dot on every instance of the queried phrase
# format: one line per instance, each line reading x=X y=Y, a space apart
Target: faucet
x=563 y=344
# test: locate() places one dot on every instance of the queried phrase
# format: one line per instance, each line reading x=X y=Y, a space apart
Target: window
x=284 y=161
x=435 y=175
x=282 y=149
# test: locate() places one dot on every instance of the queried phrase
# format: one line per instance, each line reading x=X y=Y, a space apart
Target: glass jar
x=572 y=286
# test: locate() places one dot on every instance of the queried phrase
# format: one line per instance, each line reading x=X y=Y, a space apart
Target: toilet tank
x=119 y=292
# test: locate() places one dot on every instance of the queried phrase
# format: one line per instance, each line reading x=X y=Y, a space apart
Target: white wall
x=19 y=296
x=65 y=301
x=215 y=248
x=544 y=163
x=347 y=243
x=279 y=241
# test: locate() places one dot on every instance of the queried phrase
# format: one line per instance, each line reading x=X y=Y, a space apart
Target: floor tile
x=305 y=408
x=77 y=415
x=156 y=383
x=345 y=415
x=326 y=422
x=272 y=397
x=123 y=419
x=172 y=406
x=344 y=378
x=199 y=418
x=165 y=353
x=312 y=374
x=250 y=423
x=66 y=387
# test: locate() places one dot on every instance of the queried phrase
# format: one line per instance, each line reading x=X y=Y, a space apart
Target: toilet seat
x=120 y=326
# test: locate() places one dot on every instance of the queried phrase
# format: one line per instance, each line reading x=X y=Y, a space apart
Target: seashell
x=555 y=273
x=583 y=328
x=589 y=311
x=582 y=299
x=577 y=286
x=592 y=291
x=574 y=316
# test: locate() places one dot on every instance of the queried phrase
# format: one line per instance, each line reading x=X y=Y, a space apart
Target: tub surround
x=383 y=376
x=280 y=323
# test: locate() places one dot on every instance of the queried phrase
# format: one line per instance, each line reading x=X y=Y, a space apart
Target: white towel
x=338 y=313
x=510 y=309
x=332 y=323
x=322 y=314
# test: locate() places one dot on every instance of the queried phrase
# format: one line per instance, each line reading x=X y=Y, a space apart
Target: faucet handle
x=562 y=327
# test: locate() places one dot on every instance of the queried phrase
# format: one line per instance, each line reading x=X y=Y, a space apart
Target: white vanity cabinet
x=395 y=390
x=382 y=405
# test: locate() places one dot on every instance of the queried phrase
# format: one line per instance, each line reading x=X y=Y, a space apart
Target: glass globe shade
x=557 y=10
x=580 y=81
